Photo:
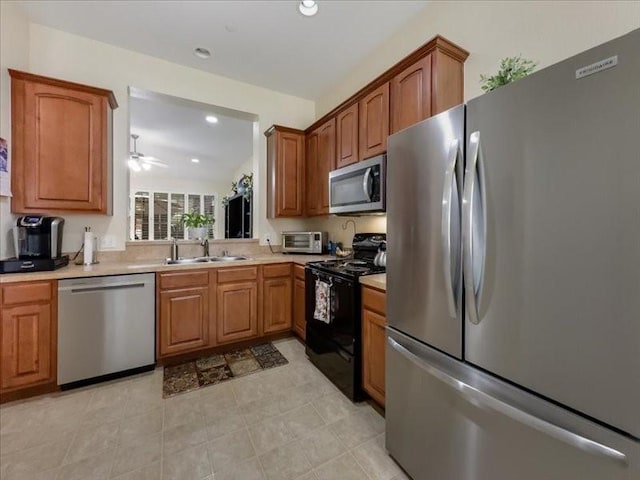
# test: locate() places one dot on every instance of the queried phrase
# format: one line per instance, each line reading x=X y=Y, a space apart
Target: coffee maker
x=38 y=245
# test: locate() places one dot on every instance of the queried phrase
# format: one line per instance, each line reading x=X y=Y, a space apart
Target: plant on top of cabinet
x=62 y=151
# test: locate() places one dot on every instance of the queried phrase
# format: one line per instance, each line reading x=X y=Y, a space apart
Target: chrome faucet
x=225 y=253
x=174 y=249
x=205 y=244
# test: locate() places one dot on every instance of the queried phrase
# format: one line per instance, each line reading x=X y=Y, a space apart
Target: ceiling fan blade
x=154 y=162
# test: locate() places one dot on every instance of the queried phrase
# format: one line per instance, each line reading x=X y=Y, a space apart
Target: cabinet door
x=184 y=320
x=61 y=139
x=347 y=136
x=276 y=304
x=411 y=95
x=299 y=320
x=311 y=164
x=289 y=174
x=27 y=345
x=237 y=316
x=373 y=351
x=326 y=162
x=374 y=122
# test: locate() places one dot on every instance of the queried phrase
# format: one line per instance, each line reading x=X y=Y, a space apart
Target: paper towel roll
x=89 y=247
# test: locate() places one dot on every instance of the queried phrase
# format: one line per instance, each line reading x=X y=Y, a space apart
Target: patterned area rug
x=213 y=369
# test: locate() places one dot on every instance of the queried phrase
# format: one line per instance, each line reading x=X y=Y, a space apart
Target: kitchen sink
x=187 y=261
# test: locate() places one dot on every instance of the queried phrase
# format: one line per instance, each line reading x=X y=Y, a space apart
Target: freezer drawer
x=448 y=421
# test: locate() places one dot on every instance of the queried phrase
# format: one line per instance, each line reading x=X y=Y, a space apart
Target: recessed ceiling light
x=201 y=52
x=195 y=160
x=308 y=8
x=211 y=119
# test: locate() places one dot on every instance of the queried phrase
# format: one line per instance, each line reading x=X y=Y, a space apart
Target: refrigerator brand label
x=597 y=67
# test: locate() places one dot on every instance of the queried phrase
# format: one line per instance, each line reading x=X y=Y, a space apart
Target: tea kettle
x=380 y=259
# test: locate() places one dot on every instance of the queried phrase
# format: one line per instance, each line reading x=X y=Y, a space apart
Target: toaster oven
x=304 y=242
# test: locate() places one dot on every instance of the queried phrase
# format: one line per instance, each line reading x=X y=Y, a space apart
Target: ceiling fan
x=139 y=161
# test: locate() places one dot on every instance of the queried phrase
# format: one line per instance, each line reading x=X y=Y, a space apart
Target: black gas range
x=333 y=313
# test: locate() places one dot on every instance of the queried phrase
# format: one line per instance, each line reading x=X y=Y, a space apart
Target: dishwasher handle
x=100 y=288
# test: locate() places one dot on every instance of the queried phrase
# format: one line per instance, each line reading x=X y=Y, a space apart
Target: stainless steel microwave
x=359 y=188
x=304 y=242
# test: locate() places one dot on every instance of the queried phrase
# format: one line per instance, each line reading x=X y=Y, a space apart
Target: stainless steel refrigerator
x=513 y=263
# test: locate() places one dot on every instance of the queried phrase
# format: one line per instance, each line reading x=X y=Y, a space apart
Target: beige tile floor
x=279 y=424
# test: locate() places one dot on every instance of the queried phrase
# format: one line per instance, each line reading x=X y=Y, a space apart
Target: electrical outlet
x=108 y=241
x=266 y=238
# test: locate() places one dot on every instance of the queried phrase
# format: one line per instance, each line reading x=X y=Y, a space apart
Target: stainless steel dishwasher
x=106 y=326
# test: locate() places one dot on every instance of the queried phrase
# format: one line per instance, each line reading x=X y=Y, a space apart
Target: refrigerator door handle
x=449 y=178
x=472 y=276
x=480 y=398
x=366 y=183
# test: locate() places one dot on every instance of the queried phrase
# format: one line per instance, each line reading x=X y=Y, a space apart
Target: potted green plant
x=511 y=69
x=197 y=224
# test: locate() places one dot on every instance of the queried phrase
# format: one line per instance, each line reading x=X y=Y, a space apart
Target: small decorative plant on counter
x=197 y=224
x=243 y=187
x=511 y=69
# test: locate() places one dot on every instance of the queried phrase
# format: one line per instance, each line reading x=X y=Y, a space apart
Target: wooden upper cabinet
x=374 y=122
x=62 y=145
x=347 y=136
x=311 y=169
x=326 y=163
x=28 y=329
x=411 y=95
x=285 y=166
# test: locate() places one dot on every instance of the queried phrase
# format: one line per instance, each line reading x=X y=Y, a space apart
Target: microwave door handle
x=367 y=184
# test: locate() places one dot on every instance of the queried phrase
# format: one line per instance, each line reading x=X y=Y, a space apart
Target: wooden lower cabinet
x=28 y=335
x=184 y=310
x=299 y=320
x=374 y=323
x=237 y=311
x=277 y=297
x=184 y=324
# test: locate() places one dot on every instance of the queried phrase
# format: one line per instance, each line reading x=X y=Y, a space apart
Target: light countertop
x=378 y=281
x=154 y=265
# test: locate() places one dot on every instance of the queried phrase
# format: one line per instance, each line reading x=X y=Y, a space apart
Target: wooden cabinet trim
x=31 y=77
x=27 y=292
x=277 y=304
x=299 y=309
x=298 y=271
x=184 y=279
x=236 y=274
x=373 y=299
x=178 y=333
x=373 y=351
x=279 y=270
x=228 y=328
x=436 y=43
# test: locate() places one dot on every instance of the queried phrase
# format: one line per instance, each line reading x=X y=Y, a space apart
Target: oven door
x=358 y=188
x=334 y=347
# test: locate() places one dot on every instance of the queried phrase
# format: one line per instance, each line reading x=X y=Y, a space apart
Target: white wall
x=546 y=32
x=70 y=57
x=14 y=53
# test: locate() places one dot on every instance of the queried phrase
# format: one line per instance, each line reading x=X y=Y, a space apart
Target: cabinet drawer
x=298 y=271
x=280 y=270
x=26 y=293
x=374 y=300
x=183 y=279
x=226 y=275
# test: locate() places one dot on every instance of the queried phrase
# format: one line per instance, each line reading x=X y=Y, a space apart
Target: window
x=158 y=215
